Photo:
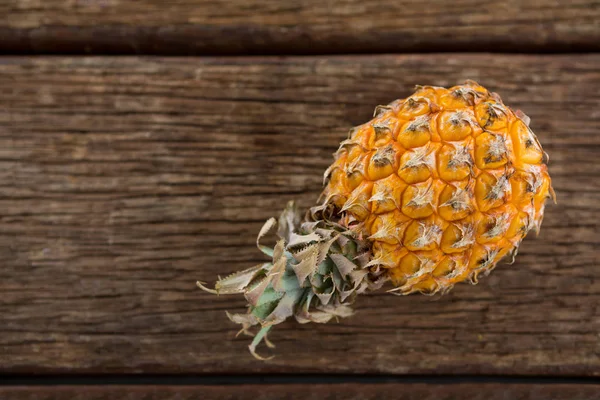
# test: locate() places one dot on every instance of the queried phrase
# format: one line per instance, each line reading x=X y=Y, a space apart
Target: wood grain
x=124 y=180
x=222 y=27
x=409 y=391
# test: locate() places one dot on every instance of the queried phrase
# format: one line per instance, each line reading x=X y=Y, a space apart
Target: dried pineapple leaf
x=363 y=259
x=325 y=297
x=238 y=281
x=268 y=342
x=322 y=315
x=288 y=221
x=246 y=320
x=324 y=249
x=277 y=273
x=302 y=240
x=310 y=226
x=308 y=265
x=254 y=294
x=338 y=281
x=341 y=311
x=303 y=306
x=263 y=231
x=316 y=280
x=305 y=252
x=325 y=233
x=315 y=316
x=313 y=265
x=304 y=315
x=327 y=173
x=278 y=250
x=344 y=266
x=260 y=336
x=343 y=240
x=206 y=289
x=284 y=308
x=344 y=294
x=358 y=276
x=376 y=284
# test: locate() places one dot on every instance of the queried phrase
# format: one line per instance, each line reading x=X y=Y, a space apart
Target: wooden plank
x=189 y=27
x=124 y=180
x=407 y=391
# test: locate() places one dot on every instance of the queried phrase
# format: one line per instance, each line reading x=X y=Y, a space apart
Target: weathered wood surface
x=409 y=391
x=298 y=27
x=124 y=180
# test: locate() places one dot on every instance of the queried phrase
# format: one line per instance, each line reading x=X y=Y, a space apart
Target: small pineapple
x=436 y=189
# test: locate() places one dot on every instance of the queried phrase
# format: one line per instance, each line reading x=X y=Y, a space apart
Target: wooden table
x=128 y=174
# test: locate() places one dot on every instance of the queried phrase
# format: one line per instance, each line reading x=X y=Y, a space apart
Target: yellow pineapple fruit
x=434 y=190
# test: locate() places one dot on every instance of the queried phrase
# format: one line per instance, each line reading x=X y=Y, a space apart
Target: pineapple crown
x=317 y=269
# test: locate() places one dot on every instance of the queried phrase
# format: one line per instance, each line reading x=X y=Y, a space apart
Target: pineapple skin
x=443 y=184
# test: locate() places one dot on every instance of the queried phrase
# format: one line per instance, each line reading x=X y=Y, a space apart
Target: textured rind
x=444 y=183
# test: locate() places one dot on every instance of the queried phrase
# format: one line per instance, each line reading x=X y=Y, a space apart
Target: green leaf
x=264 y=310
x=269 y=295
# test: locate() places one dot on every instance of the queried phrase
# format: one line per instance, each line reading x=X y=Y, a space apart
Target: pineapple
x=436 y=189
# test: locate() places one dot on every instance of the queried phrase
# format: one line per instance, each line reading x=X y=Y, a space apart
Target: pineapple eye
x=455 y=203
x=457 y=238
x=491 y=115
x=416 y=165
x=423 y=235
x=454 y=161
x=413 y=107
x=455 y=125
x=410 y=264
x=490 y=151
x=493 y=227
x=519 y=226
x=416 y=133
x=387 y=194
x=526 y=147
x=380 y=131
x=482 y=257
x=388 y=228
x=383 y=163
x=522 y=188
x=358 y=201
x=444 y=268
x=427 y=286
x=491 y=190
x=417 y=200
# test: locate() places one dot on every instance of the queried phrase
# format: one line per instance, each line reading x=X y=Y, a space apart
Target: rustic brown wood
x=299 y=27
x=124 y=180
x=408 y=391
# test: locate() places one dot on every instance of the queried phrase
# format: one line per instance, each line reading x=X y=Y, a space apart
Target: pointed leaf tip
x=268 y=225
x=269 y=344
x=238 y=281
x=206 y=289
x=260 y=336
